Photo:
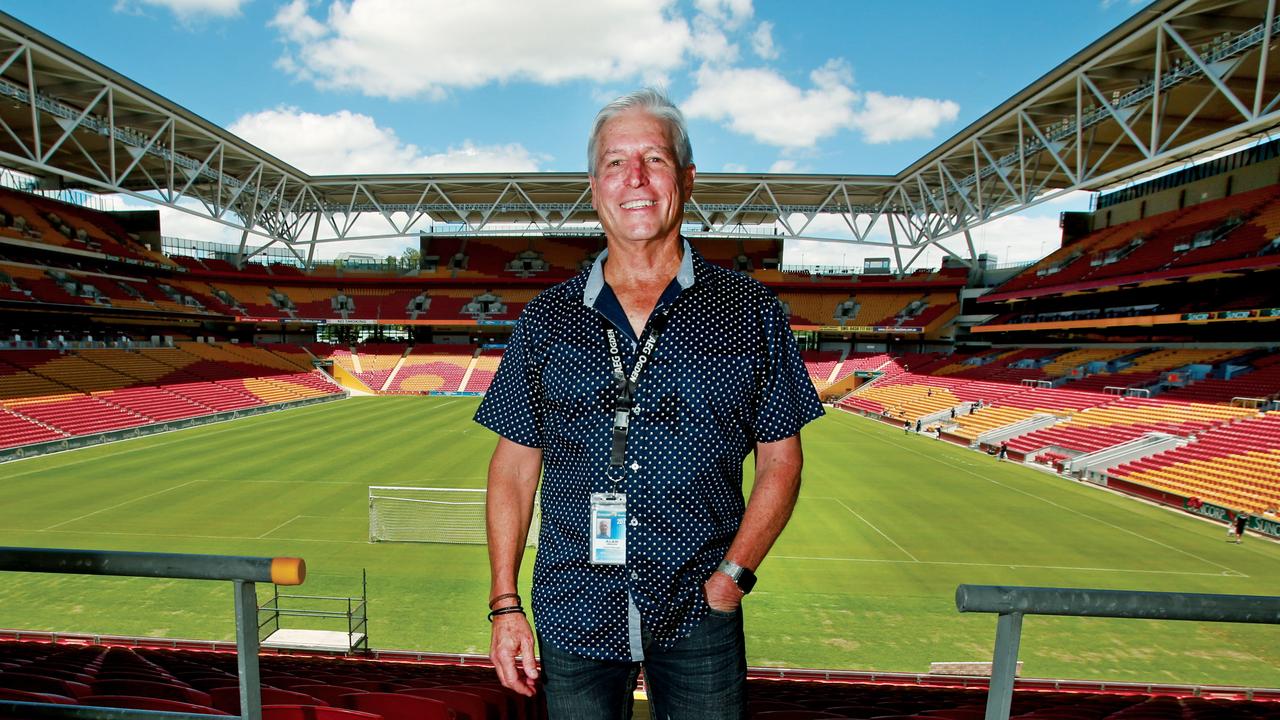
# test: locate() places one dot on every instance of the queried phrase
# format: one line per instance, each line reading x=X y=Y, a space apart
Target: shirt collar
x=595 y=279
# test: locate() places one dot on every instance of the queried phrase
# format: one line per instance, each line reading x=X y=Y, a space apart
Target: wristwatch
x=742 y=577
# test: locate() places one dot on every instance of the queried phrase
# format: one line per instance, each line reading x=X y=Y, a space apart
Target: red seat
x=32 y=682
x=513 y=706
x=462 y=702
x=150 y=688
x=25 y=696
x=393 y=706
x=313 y=712
x=378 y=686
x=137 y=702
x=328 y=693
x=228 y=698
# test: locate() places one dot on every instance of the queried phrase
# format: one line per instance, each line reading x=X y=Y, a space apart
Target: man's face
x=637 y=190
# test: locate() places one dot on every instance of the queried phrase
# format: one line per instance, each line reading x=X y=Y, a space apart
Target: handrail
x=182 y=566
x=242 y=571
x=1010 y=603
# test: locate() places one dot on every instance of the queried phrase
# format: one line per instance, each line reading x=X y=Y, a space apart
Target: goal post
x=432 y=515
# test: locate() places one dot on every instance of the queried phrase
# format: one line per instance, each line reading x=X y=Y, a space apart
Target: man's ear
x=688 y=175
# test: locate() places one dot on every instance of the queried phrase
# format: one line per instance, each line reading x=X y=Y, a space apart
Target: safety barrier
x=242 y=571
x=1011 y=603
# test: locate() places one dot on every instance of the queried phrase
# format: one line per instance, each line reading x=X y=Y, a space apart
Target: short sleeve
x=510 y=406
x=787 y=400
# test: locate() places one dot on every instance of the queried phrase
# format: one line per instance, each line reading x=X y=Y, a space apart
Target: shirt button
x=635 y=575
x=635 y=466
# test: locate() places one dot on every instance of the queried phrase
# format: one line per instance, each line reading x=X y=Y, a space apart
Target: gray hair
x=656 y=103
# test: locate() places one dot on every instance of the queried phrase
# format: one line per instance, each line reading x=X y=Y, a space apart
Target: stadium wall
x=1263 y=526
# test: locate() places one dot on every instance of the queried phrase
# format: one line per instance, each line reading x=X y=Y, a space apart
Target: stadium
x=1091 y=422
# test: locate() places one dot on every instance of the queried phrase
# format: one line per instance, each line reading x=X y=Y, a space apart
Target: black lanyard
x=626 y=383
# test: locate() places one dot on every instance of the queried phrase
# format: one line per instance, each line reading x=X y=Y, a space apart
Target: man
x=636 y=390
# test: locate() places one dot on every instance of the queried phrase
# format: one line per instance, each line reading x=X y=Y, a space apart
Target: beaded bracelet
x=509 y=610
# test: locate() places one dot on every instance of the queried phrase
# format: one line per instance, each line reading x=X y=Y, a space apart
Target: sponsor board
x=869 y=329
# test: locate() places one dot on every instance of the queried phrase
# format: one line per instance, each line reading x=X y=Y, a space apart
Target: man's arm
x=513 y=481
x=772 y=498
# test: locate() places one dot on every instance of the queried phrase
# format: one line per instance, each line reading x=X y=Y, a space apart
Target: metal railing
x=1012 y=603
x=242 y=571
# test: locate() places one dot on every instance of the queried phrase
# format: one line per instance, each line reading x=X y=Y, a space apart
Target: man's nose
x=636 y=175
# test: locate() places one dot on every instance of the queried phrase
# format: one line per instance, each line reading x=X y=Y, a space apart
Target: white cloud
x=710 y=43
x=188 y=9
x=729 y=13
x=408 y=48
x=762 y=42
x=345 y=142
x=763 y=104
x=732 y=167
x=886 y=118
x=784 y=166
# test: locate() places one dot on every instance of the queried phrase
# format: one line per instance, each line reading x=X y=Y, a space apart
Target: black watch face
x=746 y=581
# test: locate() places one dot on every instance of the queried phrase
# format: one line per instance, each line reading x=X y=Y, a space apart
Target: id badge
x=608 y=529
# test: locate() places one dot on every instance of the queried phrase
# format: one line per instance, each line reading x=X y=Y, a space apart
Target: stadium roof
x=1178 y=79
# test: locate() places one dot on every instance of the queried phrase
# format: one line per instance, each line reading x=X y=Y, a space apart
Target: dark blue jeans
x=702 y=678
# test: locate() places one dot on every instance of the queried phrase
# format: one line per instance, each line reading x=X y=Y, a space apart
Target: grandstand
x=1140 y=356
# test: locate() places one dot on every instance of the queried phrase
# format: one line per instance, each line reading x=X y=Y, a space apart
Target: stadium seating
x=486 y=366
x=1125 y=419
x=311 y=687
x=820 y=365
x=1262 y=382
x=376 y=361
x=48 y=395
x=1235 y=465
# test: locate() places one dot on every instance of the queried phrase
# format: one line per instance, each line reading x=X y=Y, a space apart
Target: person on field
x=1236 y=531
x=636 y=390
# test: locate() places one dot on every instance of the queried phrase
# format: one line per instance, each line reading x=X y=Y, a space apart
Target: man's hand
x=512 y=640
x=722 y=592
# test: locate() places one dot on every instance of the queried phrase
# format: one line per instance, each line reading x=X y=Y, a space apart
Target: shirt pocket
x=574 y=386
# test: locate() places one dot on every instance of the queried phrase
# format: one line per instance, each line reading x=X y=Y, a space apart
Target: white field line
x=1224 y=568
x=873 y=527
x=286 y=522
x=117 y=505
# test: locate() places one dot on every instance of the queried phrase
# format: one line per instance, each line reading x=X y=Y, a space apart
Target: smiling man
x=636 y=391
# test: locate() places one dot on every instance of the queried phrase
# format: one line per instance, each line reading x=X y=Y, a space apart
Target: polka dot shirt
x=725 y=375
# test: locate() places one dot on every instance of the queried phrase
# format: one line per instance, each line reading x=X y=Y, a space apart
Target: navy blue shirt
x=725 y=375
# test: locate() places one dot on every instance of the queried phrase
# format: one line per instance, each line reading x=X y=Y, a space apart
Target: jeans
x=702 y=678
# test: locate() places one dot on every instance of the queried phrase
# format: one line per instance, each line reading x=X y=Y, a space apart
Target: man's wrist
x=741 y=576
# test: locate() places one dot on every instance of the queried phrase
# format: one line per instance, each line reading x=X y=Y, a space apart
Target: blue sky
x=843 y=86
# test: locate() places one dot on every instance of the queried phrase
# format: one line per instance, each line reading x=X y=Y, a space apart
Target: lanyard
x=626 y=383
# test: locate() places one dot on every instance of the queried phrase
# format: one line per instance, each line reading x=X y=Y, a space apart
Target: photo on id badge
x=608 y=529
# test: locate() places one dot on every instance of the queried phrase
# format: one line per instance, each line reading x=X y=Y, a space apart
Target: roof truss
x=1178 y=79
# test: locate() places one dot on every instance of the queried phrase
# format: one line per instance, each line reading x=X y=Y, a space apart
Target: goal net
x=436 y=515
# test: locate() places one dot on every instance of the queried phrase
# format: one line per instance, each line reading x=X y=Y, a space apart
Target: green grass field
x=863 y=578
